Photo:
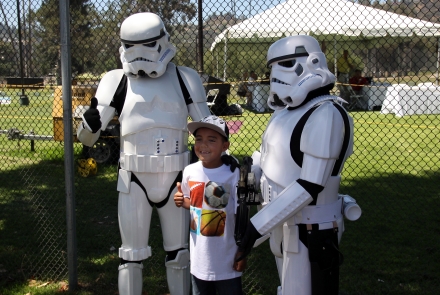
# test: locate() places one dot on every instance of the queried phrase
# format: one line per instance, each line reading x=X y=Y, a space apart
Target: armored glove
x=92 y=117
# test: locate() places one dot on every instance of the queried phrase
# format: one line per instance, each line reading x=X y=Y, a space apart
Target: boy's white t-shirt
x=213 y=206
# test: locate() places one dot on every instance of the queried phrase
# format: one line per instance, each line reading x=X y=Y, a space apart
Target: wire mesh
x=393 y=173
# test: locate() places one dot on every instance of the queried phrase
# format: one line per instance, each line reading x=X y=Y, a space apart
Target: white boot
x=178 y=275
x=130 y=279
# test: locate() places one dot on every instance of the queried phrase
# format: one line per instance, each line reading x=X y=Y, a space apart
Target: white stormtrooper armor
x=153 y=100
x=146 y=47
x=299 y=68
x=303 y=150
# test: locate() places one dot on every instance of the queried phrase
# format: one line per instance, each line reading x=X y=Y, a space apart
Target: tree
x=8 y=66
x=176 y=15
x=428 y=10
x=47 y=33
x=213 y=62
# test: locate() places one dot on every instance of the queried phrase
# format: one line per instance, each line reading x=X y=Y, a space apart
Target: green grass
x=392 y=249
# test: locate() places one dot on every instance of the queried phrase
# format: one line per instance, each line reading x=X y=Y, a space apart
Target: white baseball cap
x=211 y=122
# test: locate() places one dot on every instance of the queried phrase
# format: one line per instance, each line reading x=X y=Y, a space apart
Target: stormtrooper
x=304 y=147
x=152 y=98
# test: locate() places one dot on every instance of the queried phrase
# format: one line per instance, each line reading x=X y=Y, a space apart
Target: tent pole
x=398 y=63
x=438 y=60
x=376 y=65
x=368 y=62
x=216 y=62
x=335 y=58
x=200 y=65
x=225 y=55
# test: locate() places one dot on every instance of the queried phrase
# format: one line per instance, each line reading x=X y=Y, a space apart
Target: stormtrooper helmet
x=146 y=47
x=298 y=67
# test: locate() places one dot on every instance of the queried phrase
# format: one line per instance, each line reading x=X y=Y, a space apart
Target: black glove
x=250 y=236
x=92 y=116
x=230 y=161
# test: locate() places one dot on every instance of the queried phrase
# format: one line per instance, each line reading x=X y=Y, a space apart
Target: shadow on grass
x=394 y=246
x=392 y=249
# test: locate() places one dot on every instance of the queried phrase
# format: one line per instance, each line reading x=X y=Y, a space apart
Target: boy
x=208 y=190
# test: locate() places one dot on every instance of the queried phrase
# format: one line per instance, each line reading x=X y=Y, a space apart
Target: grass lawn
x=392 y=249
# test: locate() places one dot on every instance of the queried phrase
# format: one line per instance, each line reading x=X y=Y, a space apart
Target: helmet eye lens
x=287 y=63
x=299 y=70
x=127 y=45
x=151 y=44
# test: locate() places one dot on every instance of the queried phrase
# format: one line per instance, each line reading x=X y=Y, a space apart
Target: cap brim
x=193 y=126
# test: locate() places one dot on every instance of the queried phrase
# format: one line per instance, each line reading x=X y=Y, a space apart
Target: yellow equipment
x=87 y=167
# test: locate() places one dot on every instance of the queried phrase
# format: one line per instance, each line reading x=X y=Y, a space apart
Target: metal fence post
x=68 y=143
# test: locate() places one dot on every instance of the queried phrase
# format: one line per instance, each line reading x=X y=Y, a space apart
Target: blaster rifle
x=246 y=195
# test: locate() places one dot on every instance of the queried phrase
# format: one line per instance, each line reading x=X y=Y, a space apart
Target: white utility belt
x=154 y=164
x=320 y=213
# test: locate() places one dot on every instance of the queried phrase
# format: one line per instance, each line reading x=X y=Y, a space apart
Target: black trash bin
x=24 y=100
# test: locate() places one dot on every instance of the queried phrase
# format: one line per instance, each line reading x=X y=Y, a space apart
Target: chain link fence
x=393 y=173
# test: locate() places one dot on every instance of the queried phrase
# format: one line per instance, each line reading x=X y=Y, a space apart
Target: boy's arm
x=180 y=200
x=239 y=265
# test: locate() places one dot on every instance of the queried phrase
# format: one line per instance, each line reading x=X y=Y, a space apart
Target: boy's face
x=209 y=146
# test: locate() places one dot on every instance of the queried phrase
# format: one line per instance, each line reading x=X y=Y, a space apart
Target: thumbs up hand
x=92 y=117
x=178 y=196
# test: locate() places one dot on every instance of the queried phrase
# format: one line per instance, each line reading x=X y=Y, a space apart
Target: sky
x=9 y=10
x=245 y=8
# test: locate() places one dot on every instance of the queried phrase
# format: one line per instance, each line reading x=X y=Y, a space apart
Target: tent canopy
x=325 y=19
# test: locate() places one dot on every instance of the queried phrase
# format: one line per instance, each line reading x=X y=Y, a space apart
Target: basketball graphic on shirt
x=216 y=195
x=213 y=223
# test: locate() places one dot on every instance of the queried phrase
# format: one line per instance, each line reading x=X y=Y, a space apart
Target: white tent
x=330 y=20
x=326 y=18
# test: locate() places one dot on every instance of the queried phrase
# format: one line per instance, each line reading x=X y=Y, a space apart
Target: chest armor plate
x=154 y=103
x=276 y=160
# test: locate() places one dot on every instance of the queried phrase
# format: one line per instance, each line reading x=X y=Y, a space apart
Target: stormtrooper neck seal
x=324 y=90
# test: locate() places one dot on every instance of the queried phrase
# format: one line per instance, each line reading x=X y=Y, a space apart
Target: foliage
x=393 y=172
x=46 y=25
x=175 y=15
x=95 y=36
x=7 y=63
x=248 y=56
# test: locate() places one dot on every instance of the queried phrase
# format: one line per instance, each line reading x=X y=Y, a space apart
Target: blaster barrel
x=245 y=197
